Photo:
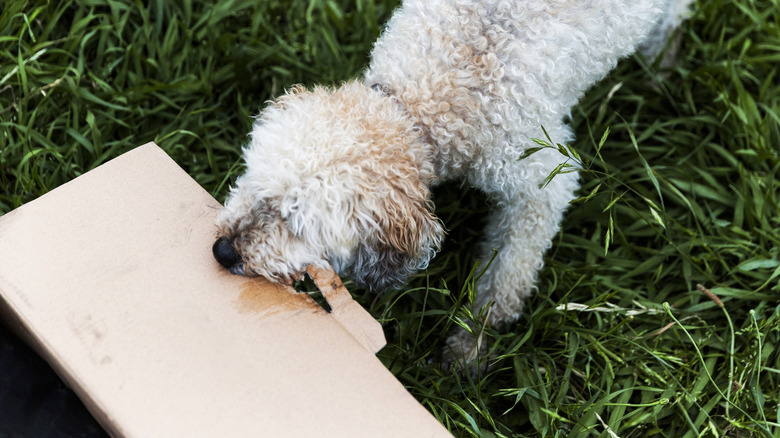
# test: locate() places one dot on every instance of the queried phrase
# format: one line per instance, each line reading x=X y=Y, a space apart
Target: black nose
x=224 y=252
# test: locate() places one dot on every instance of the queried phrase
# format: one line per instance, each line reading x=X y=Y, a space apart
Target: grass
x=680 y=188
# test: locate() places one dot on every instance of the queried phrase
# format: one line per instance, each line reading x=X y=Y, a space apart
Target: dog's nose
x=224 y=252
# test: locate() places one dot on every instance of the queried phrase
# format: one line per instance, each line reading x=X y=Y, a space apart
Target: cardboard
x=111 y=277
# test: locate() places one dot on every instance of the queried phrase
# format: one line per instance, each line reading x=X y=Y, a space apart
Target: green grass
x=619 y=341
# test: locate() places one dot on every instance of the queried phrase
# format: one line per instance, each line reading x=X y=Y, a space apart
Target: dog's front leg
x=520 y=230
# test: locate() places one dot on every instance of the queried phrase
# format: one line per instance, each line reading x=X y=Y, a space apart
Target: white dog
x=456 y=89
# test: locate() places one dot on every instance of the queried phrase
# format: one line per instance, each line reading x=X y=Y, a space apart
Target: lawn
x=657 y=313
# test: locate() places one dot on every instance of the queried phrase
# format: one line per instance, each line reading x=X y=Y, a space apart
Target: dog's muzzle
x=228 y=257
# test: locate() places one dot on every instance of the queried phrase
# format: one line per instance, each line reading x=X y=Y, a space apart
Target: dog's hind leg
x=663 y=38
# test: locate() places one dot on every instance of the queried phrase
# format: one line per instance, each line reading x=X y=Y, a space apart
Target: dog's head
x=331 y=175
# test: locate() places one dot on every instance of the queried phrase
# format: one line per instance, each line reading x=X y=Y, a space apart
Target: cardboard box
x=111 y=277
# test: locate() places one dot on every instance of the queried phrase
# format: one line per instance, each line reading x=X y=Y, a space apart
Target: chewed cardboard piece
x=111 y=277
x=354 y=318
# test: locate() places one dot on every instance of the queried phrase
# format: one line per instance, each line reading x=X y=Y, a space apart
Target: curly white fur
x=456 y=89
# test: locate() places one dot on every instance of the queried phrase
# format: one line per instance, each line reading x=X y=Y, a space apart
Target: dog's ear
x=401 y=238
x=397 y=234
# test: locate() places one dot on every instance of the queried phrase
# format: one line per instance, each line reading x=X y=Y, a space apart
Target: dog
x=455 y=90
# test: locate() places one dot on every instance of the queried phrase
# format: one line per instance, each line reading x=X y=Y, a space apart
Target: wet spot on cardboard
x=263 y=298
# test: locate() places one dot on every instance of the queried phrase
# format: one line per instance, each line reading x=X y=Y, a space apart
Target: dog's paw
x=466 y=352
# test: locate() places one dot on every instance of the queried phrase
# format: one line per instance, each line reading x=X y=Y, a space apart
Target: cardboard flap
x=355 y=319
x=112 y=278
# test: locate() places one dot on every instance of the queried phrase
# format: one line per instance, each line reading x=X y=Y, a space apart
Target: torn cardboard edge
x=111 y=277
x=351 y=315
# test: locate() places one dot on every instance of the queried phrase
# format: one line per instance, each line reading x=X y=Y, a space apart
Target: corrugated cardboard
x=111 y=276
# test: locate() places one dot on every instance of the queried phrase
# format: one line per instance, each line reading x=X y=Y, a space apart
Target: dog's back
x=482 y=77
